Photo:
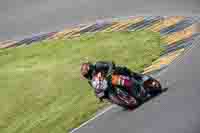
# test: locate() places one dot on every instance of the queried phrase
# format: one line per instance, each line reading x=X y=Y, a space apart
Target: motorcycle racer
x=97 y=74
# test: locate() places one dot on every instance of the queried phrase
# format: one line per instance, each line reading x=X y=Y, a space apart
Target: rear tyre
x=152 y=86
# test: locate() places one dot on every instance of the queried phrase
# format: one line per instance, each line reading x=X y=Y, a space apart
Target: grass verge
x=41 y=89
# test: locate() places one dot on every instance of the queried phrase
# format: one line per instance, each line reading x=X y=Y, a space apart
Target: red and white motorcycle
x=121 y=97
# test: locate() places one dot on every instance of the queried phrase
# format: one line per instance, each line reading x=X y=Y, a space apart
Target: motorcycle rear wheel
x=153 y=86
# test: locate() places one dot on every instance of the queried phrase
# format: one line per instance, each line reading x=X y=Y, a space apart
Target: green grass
x=41 y=89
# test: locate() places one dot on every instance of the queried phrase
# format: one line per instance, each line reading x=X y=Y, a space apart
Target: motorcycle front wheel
x=130 y=103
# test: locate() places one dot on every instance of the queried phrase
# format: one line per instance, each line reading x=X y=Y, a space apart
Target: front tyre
x=130 y=103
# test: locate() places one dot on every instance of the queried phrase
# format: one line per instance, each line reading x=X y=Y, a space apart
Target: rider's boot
x=139 y=92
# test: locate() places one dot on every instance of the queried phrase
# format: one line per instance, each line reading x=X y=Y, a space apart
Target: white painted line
x=96 y=116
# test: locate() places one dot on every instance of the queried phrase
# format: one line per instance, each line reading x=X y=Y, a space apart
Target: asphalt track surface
x=175 y=111
x=23 y=18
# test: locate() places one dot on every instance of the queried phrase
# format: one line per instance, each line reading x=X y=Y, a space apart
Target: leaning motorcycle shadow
x=147 y=100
